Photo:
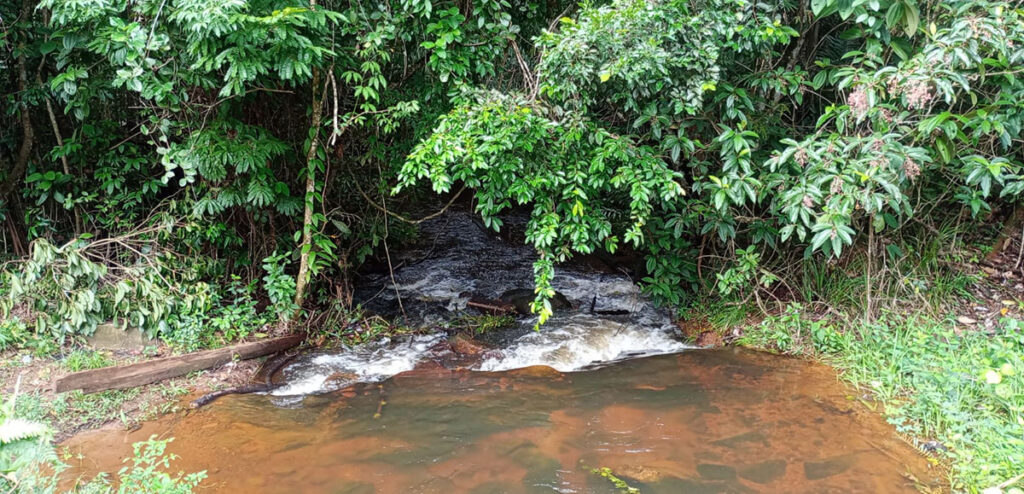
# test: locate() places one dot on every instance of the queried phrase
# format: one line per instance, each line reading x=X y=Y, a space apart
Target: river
x=606 y=386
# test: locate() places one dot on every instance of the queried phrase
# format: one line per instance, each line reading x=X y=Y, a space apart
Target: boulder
x=110 y=336
x=520 y=298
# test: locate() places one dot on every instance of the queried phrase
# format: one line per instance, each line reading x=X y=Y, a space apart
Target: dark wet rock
x=489 y=306
x=742 y=439
x=520 y=299
x=537 y=464
x=463 y=344
x=712 y=471
x=504 y=337
x=113 y=337
x=765 y=472
x=530 y=456
x=815 y=470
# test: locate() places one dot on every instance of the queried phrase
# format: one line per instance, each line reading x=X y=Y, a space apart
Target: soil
x=122 y=409
x=1001 y=290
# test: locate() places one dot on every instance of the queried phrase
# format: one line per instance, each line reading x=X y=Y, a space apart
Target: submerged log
x=130 y=376
x=270 y=368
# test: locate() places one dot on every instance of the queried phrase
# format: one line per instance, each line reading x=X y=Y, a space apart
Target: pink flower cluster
x=918 y=94
x=911 y=169
x=858 y=101
x=801 y=157
x=837 y=185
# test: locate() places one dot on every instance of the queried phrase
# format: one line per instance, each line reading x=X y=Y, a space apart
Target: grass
x=84 y=359
x=350 y=327
x=957 y=393
x=74 y=410
x=480 y=324
x=965 y=391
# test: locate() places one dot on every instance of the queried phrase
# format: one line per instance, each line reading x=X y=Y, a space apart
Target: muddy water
x=691 y=422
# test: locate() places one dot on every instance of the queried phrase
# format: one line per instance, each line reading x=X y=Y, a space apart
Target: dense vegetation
x=204 y=168
x=158 y=146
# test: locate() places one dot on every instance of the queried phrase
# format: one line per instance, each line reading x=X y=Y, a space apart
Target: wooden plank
x=130 y=376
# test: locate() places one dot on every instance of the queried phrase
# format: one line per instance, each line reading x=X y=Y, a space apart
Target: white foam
x=370 y=362
x=581 y=341
x=566 y=343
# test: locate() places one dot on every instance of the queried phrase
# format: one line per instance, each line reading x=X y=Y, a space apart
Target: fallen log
x=130 y=376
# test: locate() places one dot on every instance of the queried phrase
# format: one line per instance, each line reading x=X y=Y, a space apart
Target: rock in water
x=520 y=298
x=464 y=344
x=815 y=470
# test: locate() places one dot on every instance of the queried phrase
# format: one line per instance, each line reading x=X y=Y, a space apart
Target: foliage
x=16 y=334
x=517 y=145
x=25 y=450
x=352 y=326
x=619 y=484
x=146 y=473
x=739 y=133
x=793 y=331
x=705 y=135
x=279 y=286
x=962 y=388
x=68 y=291
x=226 y=315
x=480 y=324
x=201 y=109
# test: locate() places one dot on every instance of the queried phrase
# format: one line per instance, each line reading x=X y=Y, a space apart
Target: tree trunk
x=302 y=278
x=17 y=171
x=27 y=132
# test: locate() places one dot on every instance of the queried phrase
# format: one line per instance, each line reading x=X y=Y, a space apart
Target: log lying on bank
x=130 y=376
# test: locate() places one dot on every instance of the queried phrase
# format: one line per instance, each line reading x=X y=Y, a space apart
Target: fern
x=15 y=429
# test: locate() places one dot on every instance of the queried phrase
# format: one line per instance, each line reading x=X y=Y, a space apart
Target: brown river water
x=699 y=421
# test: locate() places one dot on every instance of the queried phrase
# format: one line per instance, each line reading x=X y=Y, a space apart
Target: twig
x=387 y=252
x=1010 y=482
x=403 y=218
x=381 y=403
x=494 y=308
x=1020 y=251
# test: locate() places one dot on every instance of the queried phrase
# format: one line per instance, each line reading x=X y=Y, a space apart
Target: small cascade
x=457 y=260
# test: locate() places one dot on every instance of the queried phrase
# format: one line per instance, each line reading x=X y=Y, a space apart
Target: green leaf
x=819 y=6
x=911 y=18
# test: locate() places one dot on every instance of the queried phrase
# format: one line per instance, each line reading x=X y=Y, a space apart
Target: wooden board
x=130 y=376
